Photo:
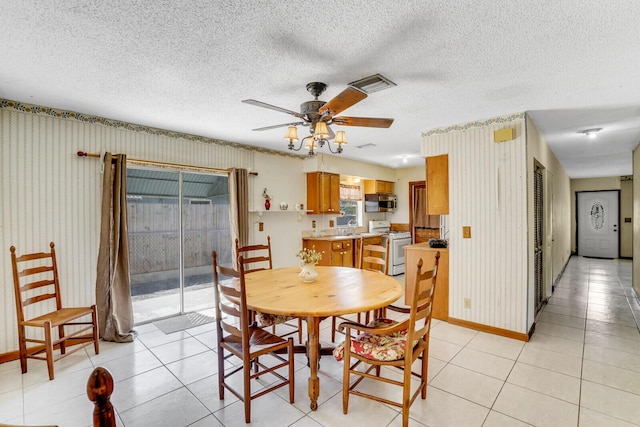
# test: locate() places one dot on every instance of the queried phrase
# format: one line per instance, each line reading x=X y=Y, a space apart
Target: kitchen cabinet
x=323 y=193
x=335 y=252
x=412 y=253
x=437 y=185
x=376 y=186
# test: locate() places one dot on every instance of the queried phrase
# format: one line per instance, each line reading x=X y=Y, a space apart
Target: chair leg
x=406 y=396
x=23 y=349
x=246 y=373
x=333 y=329
x=292 y=390
x=424 y=372
x=221 y=372
x=48 y=348
x=96 y=331
x=63 y=348
x=300 y=330
x=346 y=376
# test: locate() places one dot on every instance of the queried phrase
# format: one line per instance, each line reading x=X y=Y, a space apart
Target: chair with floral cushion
x=258 y=257
x=385 y=342
x=373 y=258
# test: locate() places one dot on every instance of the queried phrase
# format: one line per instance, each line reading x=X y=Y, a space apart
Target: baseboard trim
x=489 y=329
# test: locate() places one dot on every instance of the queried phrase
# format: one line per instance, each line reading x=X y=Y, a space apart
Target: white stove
x=397 y=241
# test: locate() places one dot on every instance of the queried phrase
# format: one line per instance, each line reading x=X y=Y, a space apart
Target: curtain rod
x=151 y=162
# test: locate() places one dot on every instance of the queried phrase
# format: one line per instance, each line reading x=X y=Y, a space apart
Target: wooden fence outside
x=154 y=239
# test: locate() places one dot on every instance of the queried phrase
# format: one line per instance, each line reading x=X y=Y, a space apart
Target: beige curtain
x=113 y=289
x=420 y=217
x=239 y=207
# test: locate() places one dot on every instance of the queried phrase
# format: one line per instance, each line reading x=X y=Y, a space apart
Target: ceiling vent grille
x=371 y=84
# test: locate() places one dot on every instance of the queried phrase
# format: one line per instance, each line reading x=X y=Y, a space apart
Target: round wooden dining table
x=336 y=291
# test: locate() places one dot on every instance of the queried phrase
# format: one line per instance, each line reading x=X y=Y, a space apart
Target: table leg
x=313 y=344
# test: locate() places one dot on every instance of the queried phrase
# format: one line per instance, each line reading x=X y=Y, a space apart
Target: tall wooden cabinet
x=323 y=193
x=438 y=185
x=412 y=253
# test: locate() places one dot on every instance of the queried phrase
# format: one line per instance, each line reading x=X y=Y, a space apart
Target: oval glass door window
x=597 y=215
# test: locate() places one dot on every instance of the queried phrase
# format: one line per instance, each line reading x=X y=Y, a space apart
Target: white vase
x=308 y=273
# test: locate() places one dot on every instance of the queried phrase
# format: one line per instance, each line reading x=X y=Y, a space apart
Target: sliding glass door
x=176 y=219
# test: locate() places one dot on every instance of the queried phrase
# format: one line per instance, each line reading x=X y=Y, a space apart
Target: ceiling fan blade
x=342 y=101
x=281 y=126
x=272 y=107
x=371 y=122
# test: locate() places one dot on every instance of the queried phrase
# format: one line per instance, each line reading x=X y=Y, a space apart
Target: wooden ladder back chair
x=37 y=291
x=260 y=254
x=373 y=258
x=392 y=343
x=255 y=254
x=239 y=336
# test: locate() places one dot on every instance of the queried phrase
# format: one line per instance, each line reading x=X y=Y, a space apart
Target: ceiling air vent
x=370 y=144
x=373 y=83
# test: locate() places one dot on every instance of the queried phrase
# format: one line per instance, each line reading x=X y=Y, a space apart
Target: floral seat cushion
x=266 y=319
x=377 y=347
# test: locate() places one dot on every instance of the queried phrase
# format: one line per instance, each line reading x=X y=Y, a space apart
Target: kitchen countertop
x=424 y=246
x=336 y=237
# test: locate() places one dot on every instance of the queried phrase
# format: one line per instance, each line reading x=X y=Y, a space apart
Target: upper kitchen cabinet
x=438 y=185
x=375 y=186
x=323 y=193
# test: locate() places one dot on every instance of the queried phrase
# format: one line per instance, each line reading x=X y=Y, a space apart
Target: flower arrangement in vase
x=308 y=259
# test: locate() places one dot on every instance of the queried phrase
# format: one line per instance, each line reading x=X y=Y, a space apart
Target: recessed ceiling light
x=591 y=133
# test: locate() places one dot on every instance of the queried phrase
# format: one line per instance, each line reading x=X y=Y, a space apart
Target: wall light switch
x=261 y=226
x=466 y=232
x=331 y=223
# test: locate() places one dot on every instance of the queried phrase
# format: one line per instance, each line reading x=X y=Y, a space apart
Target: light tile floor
x=580 y=368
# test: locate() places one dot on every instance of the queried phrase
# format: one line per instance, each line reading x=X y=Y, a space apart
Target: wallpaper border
x=476 y=124
x=118 y=124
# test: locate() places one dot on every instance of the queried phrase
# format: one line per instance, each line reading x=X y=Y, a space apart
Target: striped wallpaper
x=488 y=192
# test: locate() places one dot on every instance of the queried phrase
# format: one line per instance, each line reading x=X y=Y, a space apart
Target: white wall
x=403 y=178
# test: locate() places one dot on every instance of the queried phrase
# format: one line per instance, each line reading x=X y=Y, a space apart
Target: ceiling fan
x=318 y=115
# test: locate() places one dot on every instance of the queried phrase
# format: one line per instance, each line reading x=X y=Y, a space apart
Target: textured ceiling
x=185 y=66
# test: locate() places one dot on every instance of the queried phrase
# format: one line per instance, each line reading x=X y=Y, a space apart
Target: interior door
x=598 y=216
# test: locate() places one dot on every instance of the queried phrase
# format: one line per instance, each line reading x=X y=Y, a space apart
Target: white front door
x=598 y=224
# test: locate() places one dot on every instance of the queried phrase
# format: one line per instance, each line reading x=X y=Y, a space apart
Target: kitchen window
x=350 y=205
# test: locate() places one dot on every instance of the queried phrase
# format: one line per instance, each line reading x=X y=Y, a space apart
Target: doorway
x=538 y=236
x=176 y=219
x=422 y=226
x=597 y=216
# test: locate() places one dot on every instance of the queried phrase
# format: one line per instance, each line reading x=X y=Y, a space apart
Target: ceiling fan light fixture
x=341 y=137
x=321 y=130
x=374 y=83
x=292 y=134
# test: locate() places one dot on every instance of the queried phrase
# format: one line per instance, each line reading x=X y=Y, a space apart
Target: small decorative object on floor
x=267 y=199
x=309 y=258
